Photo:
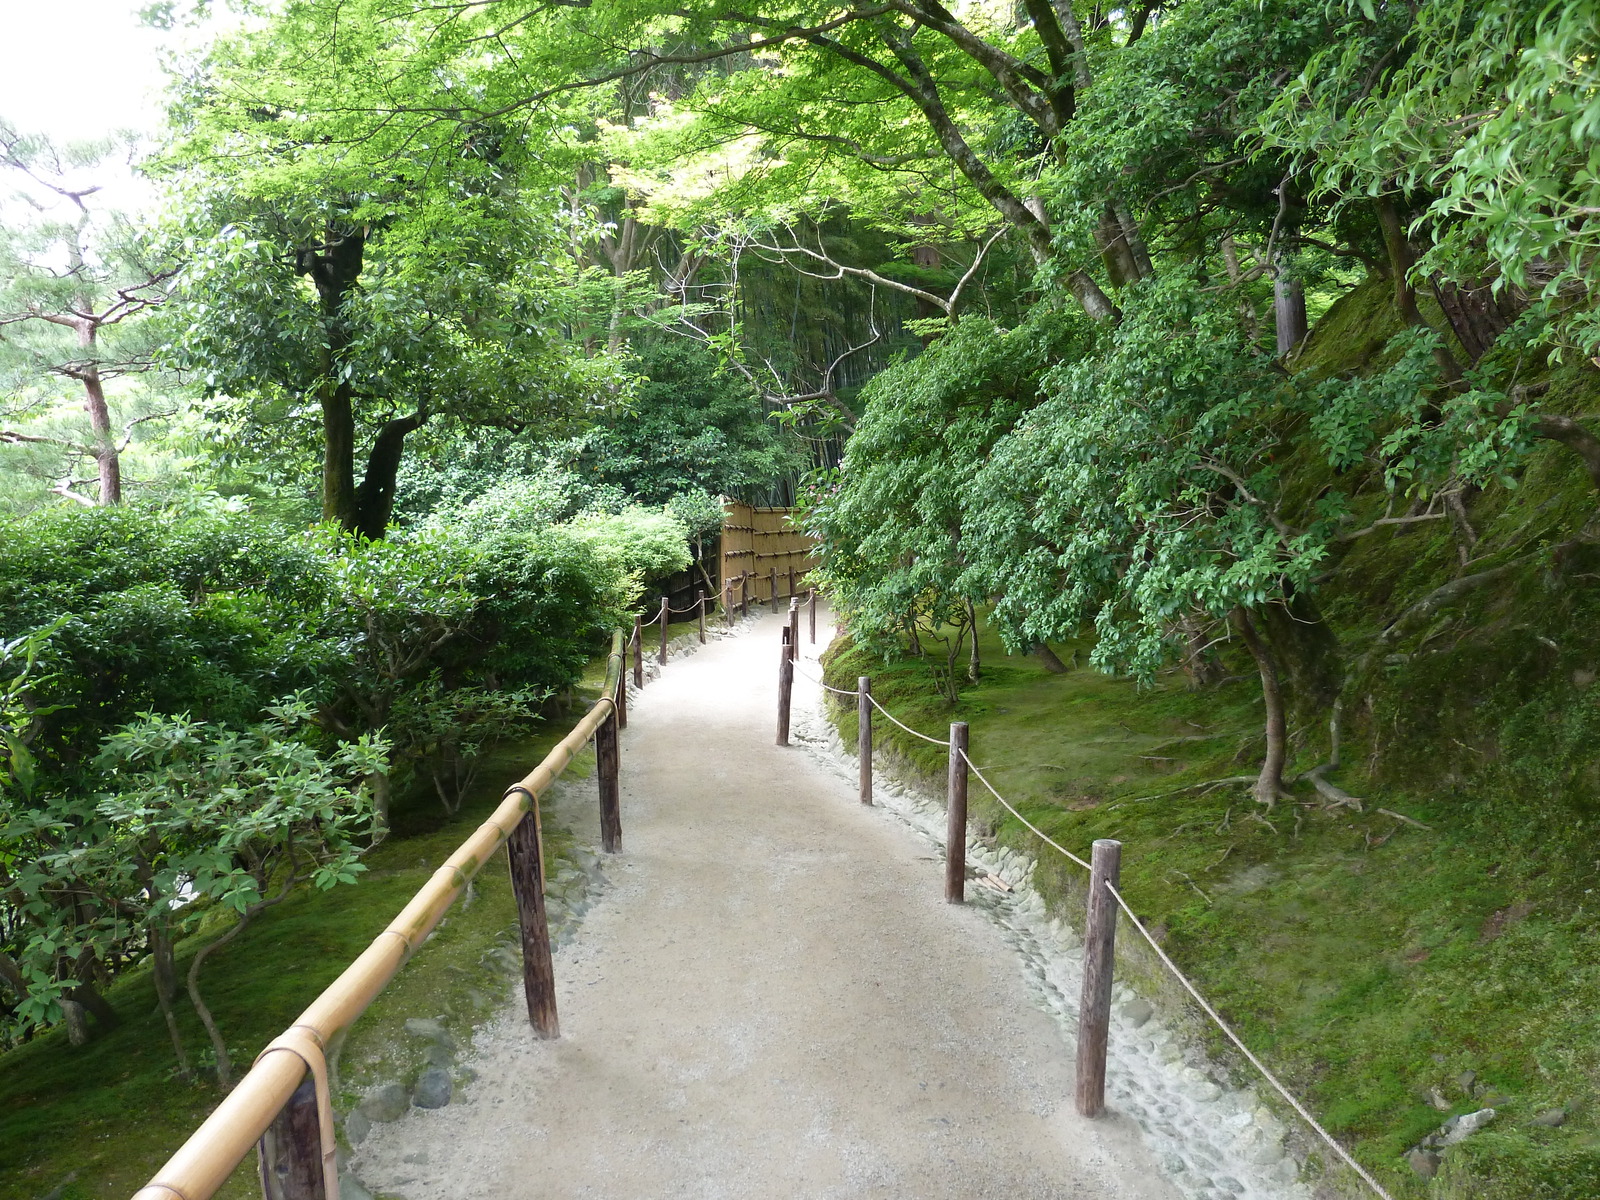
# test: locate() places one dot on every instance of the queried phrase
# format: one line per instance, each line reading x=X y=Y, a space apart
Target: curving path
x=769 y=1000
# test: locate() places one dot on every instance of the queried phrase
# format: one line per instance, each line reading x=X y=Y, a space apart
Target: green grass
x=1368 y=961
x=107 y=1115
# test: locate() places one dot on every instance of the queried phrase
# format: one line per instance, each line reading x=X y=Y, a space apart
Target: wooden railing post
x=791 y=579
x=811 y=609
x=702 y=616
x=665 y=617
x=289 y=1156
x=744 y=594
x=1099 y=954
x=525 y=849
x=621 y=697
x=794 y=627
x=864 y=735
x=785 y=689
x=607 y=761
x=955 y=837
x=773 y=580
x=638 y=652
x=727 y=603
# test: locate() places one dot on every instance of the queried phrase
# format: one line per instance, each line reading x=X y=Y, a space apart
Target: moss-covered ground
x=1371 y=962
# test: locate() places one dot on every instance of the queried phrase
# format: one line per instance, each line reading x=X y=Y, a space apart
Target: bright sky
x=77 y=69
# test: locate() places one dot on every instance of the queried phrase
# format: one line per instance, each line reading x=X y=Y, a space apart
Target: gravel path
x=770 y=999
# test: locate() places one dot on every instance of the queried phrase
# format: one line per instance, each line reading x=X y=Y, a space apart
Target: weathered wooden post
x=794 y=627
x=811 y=609
x=744 y=594
x=702 y=616
x=727 y=603
x=638 y=652
x=665 y=617
x=289 y=1155
x=864 y=735
x=785 y=689
x=1099 y=954
x=525 y=850
x=607 y=761
x=791 y=579
x=955 y=837
x=772 y=578
x=621 y=698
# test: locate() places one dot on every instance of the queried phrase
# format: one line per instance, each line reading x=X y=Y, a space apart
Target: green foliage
x=640 y=544
x=691 y=427
x=895 y=526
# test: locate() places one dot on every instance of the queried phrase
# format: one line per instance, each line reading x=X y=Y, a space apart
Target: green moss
x=1368 y=961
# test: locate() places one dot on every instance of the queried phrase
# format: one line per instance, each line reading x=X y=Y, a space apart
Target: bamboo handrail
x=203 y=1163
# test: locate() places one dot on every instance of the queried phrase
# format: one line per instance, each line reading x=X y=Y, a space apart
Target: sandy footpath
x=770 y=999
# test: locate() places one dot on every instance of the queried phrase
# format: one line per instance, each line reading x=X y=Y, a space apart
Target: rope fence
x=1104 y=902
x=282 y=1106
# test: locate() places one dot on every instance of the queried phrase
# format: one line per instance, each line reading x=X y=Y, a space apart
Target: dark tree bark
x=334 y=268
x=375 y=496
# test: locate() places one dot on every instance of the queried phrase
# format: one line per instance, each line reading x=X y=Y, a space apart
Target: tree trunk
x=218 y=1045
x=974 y=662
x=1047 y=658
x=334 y=268
x=1401 y=260
x=1121 y=266
x=1269 y=784
x=375 y=497
x=77 y=1025
x=107 y=462
x=338 y=450
x=1288 y=310
x=164 y=973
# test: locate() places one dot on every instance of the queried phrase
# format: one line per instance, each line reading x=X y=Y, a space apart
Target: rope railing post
x=1099 y=954
x=811 y=610
x=525 y=851
x=794 y=627
x=702 y=616
x=744 y=594
x=661 y=655
x=955 y=837
x=785 y=688
x=607 y=763
x=791 y=579
x=638 y=652
x=864 y=735
x=773 y=580
x=289 y=1154
x=727 y=603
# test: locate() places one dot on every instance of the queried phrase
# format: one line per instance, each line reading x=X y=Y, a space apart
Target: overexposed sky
x=77 y=69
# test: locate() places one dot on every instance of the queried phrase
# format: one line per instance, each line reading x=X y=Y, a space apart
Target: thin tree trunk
x=1269 y=784
x=974 y=662
x=218 y=1045
x=164 y=973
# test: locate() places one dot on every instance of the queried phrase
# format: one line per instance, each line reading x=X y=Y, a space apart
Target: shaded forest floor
x=1393 y=975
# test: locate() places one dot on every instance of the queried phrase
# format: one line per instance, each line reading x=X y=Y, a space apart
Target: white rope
x=1245 y=1050
x=1044 y=837
x=826 y=686
x=903 y=725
